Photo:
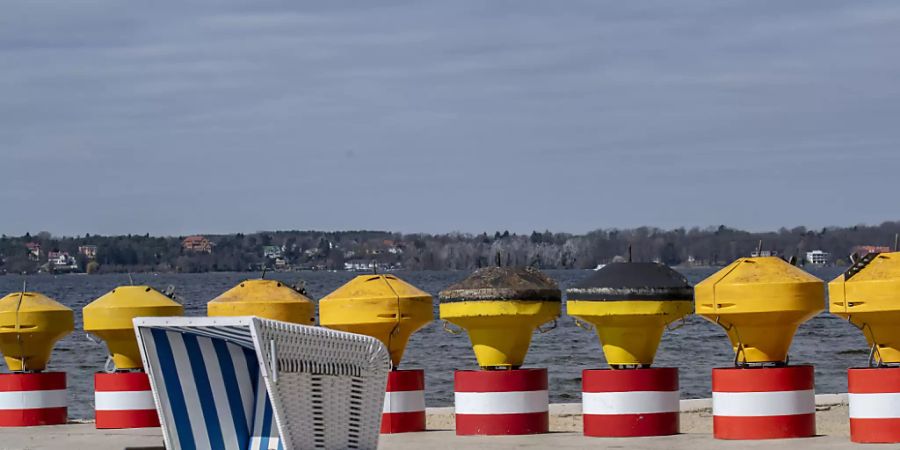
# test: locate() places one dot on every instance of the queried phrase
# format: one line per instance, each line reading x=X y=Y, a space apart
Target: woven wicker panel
x=328 y=388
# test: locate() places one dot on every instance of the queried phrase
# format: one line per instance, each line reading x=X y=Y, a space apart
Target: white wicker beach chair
x=249 y=383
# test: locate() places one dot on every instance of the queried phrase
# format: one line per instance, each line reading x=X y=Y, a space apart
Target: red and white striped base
x=501 y=402
x=874 y=404
x=764 y=403
x=404 y=402
x=30 y=399
x=630 y=402
x=124 y=400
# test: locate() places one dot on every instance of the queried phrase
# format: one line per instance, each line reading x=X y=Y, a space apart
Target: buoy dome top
x=756 y=271
x=633 y=281
x=504 y=283
x=377 y=286
x=131 y=296
x=261 y=290
x=31 y=302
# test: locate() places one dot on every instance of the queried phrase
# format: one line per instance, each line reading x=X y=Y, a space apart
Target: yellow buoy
x=760 y=302
x=269 y=299
x=630 y=305
x=382 y=306
x=868 y=295
x=500 y=307
x=30 y=324
x=110 y=318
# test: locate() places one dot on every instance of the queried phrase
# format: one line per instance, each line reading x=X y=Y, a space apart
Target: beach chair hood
x=249 y=383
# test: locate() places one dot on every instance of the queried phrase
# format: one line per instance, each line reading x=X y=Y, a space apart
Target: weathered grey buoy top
x=633 y=281
x=504 y=283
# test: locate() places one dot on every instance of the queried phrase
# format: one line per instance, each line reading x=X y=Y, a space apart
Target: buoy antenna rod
x=759 y=248
x=629 y=253
x=896 y=242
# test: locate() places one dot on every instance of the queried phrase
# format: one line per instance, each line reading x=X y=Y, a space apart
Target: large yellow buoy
x=382 y=306
x=760 y=302
x=110 y=318
x=269 y=299
x=30 y=324
x=500 y=308
x=868 y=295
x=630 y=305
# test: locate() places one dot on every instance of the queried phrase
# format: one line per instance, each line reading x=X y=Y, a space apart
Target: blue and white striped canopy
x=210 y=392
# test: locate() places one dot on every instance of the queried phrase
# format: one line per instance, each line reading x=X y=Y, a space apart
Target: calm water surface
x=830 y=343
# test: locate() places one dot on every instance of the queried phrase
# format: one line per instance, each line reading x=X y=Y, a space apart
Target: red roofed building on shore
x=197 y=244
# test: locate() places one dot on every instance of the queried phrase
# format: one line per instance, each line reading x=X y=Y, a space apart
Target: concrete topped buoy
x=630 y=304
x=500 y=307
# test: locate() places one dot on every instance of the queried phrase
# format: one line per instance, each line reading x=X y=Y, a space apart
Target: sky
x=172 y=118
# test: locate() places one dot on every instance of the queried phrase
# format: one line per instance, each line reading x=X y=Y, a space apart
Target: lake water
x=828 y=342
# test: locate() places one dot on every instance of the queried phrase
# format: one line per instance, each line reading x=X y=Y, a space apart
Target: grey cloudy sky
x=173 y=118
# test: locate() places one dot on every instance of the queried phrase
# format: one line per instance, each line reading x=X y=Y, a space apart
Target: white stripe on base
x=15 y=400
x=123 y=400
x=633 y=402
x=404 y=401
x=756 y=404
x=875 y=406
x=501 y=402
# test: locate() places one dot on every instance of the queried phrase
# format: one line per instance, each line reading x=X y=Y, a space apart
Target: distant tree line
x=310 y=250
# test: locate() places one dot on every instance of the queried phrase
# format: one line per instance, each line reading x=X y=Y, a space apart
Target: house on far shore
x=34 y=250
x=88 y=251
x=818 y=257
x=196 y=244
x=61 y=262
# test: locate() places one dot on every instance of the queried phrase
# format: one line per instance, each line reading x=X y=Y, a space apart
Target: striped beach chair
x=242 y=383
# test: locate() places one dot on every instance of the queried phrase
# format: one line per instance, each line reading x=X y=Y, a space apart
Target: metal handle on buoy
x=683 y=323
x=552 y=327
x=446 y=327
x=584 y=326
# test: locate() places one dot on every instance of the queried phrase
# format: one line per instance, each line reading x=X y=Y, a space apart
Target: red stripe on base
x=875 y=431
x=121 y=381
x=762 y=379
x=764 y=427
x=873 y=380
x=631 y=425
x=500 y=380
x=33 y=417
x=627 y=380
x=139 y=418
x=405 y=422
x=502 y=424
x=38 y=381
x=405 y=380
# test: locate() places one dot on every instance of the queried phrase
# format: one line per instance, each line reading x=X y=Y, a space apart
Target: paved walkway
x=85 y=437
x=565 y=424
